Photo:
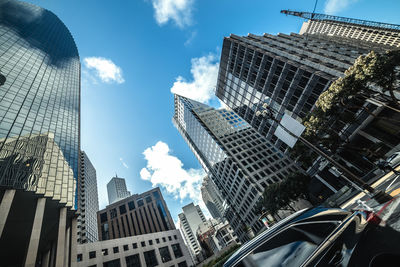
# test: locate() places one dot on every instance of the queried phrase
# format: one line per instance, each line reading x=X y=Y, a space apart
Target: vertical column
x=74 y=242
x=67 y=236
x=61 y=237
x=35 y=234
x=5 y=207
x=46 y=259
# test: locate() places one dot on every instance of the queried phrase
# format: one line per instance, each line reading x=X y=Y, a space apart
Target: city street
x=389 y=212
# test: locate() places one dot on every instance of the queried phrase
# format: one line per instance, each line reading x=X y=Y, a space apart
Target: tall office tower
x=212 y=198
x=370 y=31
x=116 y=189
x=288 y=72
x=239 y=161
x=39 y=136
x=189 y=221
x=135 y=215
x=88 y=201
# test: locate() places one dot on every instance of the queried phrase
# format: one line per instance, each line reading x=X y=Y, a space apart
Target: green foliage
x=218 y=262
x=280 y=195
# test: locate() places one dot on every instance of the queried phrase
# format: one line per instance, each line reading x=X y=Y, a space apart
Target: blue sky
x=133 y=52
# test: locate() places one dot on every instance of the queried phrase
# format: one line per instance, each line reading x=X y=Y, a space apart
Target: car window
x=290 y=247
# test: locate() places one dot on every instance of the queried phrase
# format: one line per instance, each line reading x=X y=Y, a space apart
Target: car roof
x=302 y=215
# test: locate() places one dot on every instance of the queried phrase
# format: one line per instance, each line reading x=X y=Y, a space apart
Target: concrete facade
x=116 y=189
x=88 y=201
x=135 y=215
x=130 y=251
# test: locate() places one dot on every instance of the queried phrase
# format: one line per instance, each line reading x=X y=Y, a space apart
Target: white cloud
x=192 y=36
x=104 y=69
x=123 y=163
x=202 y=87
x=166 y=170
x=334 y=6
x=179 y=11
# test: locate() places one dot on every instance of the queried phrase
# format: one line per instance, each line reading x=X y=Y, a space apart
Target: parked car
x=394 y=159
x=318 y=237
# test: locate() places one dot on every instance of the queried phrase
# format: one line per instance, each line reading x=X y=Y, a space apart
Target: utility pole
x=379 y=196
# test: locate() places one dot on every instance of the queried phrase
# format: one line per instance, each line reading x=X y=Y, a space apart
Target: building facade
x=116 y=189
x=288 y=72
x=369 y=31
x=39 y=136
x=164 y=248
x=138 y=214
x=212 y=198
x=88 y=201
x=240 y=161
x=189 y=221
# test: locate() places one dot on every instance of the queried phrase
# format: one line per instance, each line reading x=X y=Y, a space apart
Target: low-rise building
x=165 y=248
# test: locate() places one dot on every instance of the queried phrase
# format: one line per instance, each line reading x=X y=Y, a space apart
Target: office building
x=164 y=248
x=116 y=189
x=369 y=31
x=138 y=214
x=189 y=221
x=288 y=72
x=239 y=161
x=88 y=201
x=39 y=136
x=212 y=198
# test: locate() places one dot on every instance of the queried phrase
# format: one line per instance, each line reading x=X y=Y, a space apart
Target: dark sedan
x=322 y=237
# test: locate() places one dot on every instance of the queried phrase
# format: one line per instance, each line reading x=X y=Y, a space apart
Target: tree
x=281 y=195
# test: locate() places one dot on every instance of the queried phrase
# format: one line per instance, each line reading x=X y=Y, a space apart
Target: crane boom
x=318 y=16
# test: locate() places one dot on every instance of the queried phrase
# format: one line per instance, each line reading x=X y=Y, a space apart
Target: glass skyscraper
x=39 y=133
x=238 y=160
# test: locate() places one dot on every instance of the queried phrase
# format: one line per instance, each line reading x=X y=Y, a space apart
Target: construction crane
x=321 y=17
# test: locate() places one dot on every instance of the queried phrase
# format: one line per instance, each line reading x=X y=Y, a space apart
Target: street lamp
x=379 y=196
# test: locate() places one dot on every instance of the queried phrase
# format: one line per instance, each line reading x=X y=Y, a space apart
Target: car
x=319 y=237
x=394 y=159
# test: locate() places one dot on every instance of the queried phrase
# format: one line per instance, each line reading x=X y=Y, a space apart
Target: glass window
x=148 y=199
x=104 y=252
x=170 y=238
x=115 y=249
x=150 y=242
x=176 y=237
x=165 y=255
x=133 y=261
x=92 y=254
x=292 y=246
x=103 y=217
x=79 y=257
x=122 y=209
x=182 y=264
x=113 y=213
x=126 y=247
x=134 y=245
x=140 y=202
x=113 y=263
x=164 y=239
x=150 y=258
x=143 y=244
x=131 y=205
x=157 y=240
x=176 y=248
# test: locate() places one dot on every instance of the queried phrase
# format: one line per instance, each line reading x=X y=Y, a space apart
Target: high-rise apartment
x=39 y=136
x=189 y=221
x=212 y=198
x=288 y=72
x=138 y=214
x=239 y=161
x=88 y=201
x=116 y=189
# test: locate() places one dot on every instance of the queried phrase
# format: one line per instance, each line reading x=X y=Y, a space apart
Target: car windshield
x=290 y=247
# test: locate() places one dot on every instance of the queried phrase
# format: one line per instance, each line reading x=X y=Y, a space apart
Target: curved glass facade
x=39 y=103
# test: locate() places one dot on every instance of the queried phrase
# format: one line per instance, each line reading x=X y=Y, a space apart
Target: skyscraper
x=212 y=198
x=138 y=214
x=189 y=221
x=88 y=201
x=116 y=189
x=39 y=135
x=288 y=72
x=239 y=161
